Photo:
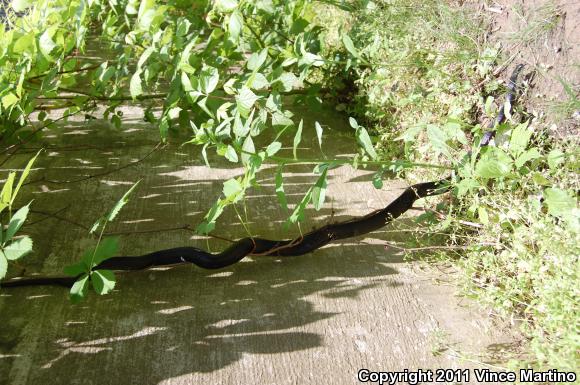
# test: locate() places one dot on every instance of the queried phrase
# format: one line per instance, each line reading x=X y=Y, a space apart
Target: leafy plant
x=101 y=280
x=12 y=248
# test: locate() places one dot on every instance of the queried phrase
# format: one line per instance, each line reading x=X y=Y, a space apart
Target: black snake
x=285 y=248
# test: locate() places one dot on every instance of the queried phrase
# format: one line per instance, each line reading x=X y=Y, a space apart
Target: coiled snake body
x=284 y=248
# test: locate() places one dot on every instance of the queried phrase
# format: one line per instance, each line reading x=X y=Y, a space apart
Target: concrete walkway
x=314 y=319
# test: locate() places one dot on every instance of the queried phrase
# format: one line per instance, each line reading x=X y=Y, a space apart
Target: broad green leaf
x=257 y=59
x=235 y=25
x=9 y=100
x=273 y=148
x=245 y=101
x=319 y=191
x=559 y=202
x=144 y=56
x=18 y=248
x=25 y=43
x=288 y=80
x=482 y=214
x=79 y=289
x=349 y=45
x=318 y=128
x=16 y=222
x=438 y=139
x=279 y=119
x=6 y=194
x=103 y=281
x=231 y=154
x=24 y=175
x=364 y=140
x=248 y=148
x=519 y=139
x=491 y=168
x=298 y=213
x=209 y=79
x=46 y=43
x=232 y=188
x=120 y=203
x=555 y=158
x=353 y=123
x=76 y=269
x=20 y=5
x=528 y=155
x=297 y=138
x=135 y=87
x=106 y=249
x=225 y=6
x=280 y=189
x=3 y=266
x=378 y=180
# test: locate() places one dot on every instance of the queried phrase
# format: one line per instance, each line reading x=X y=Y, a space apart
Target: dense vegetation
x=418 y=74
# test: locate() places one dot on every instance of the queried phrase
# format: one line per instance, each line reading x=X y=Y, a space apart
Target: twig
x=96 y=175
x=413 y=249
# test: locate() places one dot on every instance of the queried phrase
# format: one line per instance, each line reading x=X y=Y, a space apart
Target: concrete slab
x=317 y=318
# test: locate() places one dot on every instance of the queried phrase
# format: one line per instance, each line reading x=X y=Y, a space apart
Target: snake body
x=279 y=248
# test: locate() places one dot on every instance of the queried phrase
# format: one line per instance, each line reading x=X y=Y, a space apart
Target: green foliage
x=102 y=281
x=12 y=248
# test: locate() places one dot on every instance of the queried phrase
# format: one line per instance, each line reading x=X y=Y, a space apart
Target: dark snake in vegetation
x=286 y=248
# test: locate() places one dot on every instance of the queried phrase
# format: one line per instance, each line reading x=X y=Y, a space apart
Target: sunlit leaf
x=120 y=203
x=319 y=191
x=79 y=289
x=297 y=138
x=280 y=189
x=16 y=222
x=103 y=281
x=17 y=248
x=559 y=202
x=318 y=128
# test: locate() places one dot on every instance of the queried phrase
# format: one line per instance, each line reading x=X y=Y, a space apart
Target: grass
x=426 y=92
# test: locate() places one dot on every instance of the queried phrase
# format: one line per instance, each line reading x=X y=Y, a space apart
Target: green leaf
x=106 y=249
x=76 y=269
x=135 y=85
x=225 y=6
x=3 y=266
x=349 y=45
x=491 y=168
x=297 y=138
x=245 y=101
x=319 y=190
x=24 y=43
x=46 y=43
x=248 y=148
x=235 y=25
x=232 y=189
x=493 y=164
x=438 y=139
x=378 y=180
x=209 y=79
x=23 y=176
x=520 y=138
x=298 y=213
x=79 y=289
x=257 y=59
x=555 y=158
x=20 y=5
x=364 y=140
x=9 y=100
x=353 y=123
x=482 y=214
x=273 y=148
x=231 y=154
x=120 y=203
x=144 y=56
x=103 y=281
x=18 y=248
x=280 y=189
x=528 y=155
x=6 y=194
x=318 y=128
x=16 y=222
x=559 y=202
